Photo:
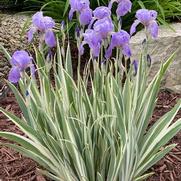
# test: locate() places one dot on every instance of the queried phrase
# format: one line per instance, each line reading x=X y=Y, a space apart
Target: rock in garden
x=167 y=43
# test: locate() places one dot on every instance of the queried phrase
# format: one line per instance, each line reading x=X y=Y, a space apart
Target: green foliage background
x=168 y=9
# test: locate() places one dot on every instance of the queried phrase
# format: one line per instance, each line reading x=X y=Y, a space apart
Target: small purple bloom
x=124 y=6
x=120 y=39
x=102 y=12
x=78 y=5
x=44 y=24
x=82 y=7
x=148 y=19
x=20 y=61
x=93 y=39
x=135 y=66
x=104 y=27
x=41 y=22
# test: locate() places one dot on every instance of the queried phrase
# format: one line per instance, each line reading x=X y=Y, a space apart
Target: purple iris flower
x=94 y=40
x=20 y=61
x=148 y=19
x=102 y=12
x=124 y=6
x=120 y=39
x=44 y=25
x=82 y=7
x=104 y=27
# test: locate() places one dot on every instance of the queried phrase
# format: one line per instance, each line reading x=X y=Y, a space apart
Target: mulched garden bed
x=15 y=167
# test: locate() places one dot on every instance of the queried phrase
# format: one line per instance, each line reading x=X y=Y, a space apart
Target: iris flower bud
x=149 y=60
x=77 y=31
x=135 y=66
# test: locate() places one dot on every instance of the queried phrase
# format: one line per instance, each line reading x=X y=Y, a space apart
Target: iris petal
x=153 y=29
x=32 y=70
x=50 y=38
x=93 y=39
x=124 y=7
x=102 y=12
x=21 y=59
x=85 y=16
x=96 y=50
x=119 y=39
x=31 y=33
x=104 y=27
x=81 y=49
x=71 y=13
x=37 y=20
x=109 y=52
x=14 y=75
x=133 y=27
x=126 y=50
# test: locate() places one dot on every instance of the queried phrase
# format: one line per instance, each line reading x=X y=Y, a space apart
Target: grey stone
x=160 y=50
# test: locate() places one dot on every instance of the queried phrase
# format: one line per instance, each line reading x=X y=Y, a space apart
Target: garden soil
x=15 y=167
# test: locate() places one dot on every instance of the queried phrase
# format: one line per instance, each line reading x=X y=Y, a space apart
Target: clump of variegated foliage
x=90 y=135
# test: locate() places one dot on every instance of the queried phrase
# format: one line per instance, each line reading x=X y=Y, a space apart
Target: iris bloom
x=104 y=27
x=100 y=13
x=82 y=7
x=20 y=61
x=94 y=40
x=124 y=6
x=120 y=39
x=44 y=25
x=148 y=19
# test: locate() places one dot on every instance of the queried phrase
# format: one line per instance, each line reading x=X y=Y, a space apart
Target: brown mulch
x=169 y=168
x=15 y=167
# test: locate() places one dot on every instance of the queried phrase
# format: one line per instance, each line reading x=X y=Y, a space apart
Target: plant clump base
x=15 y=166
